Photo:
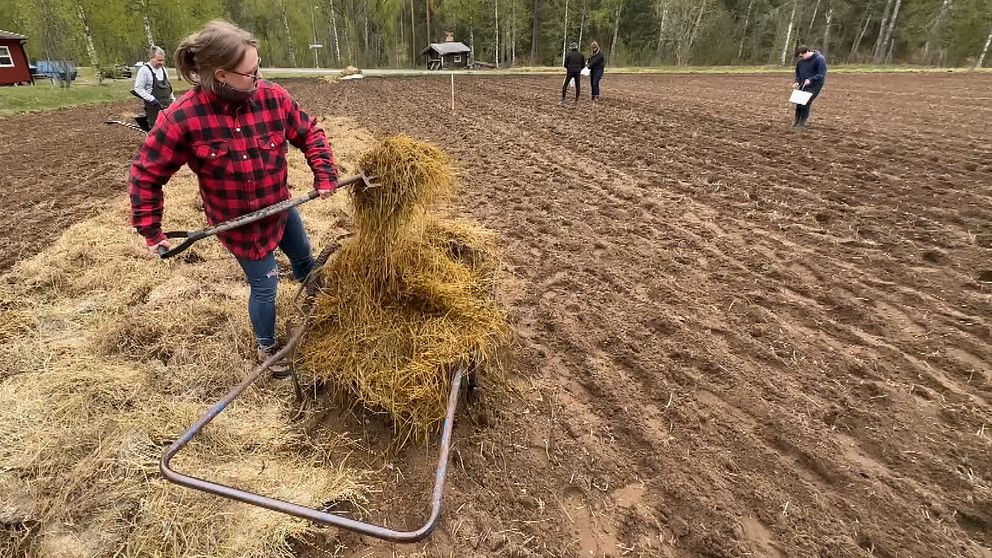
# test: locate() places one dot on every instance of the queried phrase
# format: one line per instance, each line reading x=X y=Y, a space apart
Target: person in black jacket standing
x=811 y=73
x=574 y=62
x=596 y=65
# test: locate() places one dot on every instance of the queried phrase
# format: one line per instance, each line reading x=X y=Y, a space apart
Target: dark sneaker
x=279 y=368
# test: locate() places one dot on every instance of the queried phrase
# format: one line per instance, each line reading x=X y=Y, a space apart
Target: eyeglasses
x=253 y=75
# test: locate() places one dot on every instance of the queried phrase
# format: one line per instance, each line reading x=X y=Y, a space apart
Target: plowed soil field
x=733 y=338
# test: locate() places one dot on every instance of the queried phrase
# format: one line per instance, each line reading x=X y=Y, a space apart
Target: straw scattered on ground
x=108 y=355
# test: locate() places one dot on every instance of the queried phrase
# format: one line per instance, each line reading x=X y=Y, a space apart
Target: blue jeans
x=595 y=75
x=263 y=277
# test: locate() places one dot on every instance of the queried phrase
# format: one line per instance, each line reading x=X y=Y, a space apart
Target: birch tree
x=88 y=36
x=332 y=19
x=535 y=30
x=413 y=35
x=880 y=40
x=985 y=51
x=861 y=35
x=888 y=41
x=582 y=23
x=662 y=10
x=825 y=45
x=289 y=35
x=812 y=19
x=934 y=33
x=496 y=48
x=616 y=27
x=788 y=32
x=747 y=16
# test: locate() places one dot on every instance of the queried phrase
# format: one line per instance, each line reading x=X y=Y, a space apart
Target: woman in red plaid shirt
x=232 y=129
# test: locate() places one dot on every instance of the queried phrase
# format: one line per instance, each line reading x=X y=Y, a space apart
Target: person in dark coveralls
x=152 y=85
x=811 y=73
x=596 y=65
x=574 y=62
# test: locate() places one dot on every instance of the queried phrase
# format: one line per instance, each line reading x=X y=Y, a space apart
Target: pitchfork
x=193 y=236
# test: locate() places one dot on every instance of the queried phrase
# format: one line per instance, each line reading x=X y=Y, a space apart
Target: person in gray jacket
x=153 y=87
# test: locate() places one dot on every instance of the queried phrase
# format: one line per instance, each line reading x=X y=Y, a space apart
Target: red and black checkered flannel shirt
x=238 y=152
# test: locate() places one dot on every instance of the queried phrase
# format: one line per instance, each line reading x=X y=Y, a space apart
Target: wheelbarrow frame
x=290 y=508
x=303 y=512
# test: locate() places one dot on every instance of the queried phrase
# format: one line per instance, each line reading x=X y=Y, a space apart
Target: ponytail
x=186 y=60
x=218 y=46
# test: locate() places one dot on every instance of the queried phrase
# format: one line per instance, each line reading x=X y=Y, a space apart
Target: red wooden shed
x=13 y=61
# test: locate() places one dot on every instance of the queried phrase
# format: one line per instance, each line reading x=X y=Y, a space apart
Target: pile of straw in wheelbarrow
x=409 y=297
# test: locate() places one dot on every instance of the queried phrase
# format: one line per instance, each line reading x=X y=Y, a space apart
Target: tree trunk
x=148 y=28
x=349 y=41
x=747 y=17
x=616 y=31
x=413 y=36
x=662 y=27
x=471 y=45
x=985 y=51
x=695 y=30
x=880 y=40
x=812 y=20
x=887 y=44
x=864 y=28
x=825 y=46
x=428 y=4
x=316 y=51
x=935 y=29
x=365 y=55
x=788 y=33
x=535 y=32
x=289 y=35
x=513 y=33
x=564 y=34
x=496 y=49
x=88 y=35
x=582 y=23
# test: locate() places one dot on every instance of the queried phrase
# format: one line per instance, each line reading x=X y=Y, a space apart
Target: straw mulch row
x=108 y=355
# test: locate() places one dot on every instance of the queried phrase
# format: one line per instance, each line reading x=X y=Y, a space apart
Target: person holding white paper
x=811 y=73
x=595 y=65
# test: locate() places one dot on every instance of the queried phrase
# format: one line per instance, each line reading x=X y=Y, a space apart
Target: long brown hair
x=595 y=46
x=218 y=46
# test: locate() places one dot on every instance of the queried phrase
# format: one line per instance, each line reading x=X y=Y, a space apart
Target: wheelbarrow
x=189 y=480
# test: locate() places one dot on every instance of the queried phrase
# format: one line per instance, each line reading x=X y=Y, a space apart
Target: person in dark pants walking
x=596 y=65
x=574 y=62
x=811 y=73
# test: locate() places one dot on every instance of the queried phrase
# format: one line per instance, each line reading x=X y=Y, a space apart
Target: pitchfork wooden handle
x=192 y=236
